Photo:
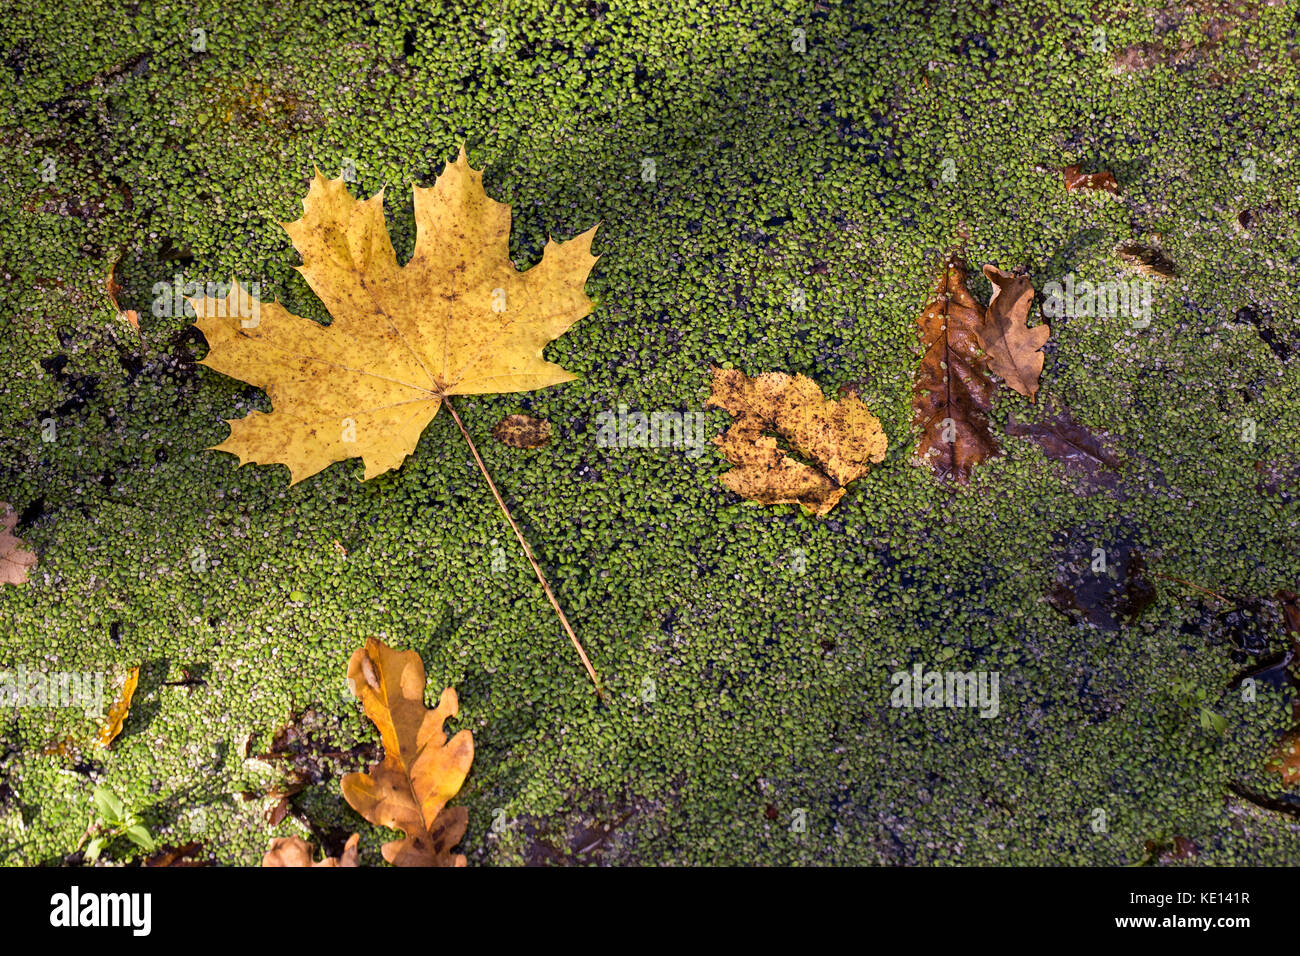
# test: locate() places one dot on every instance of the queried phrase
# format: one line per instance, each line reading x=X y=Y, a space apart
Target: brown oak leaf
x=953 y=392
x=1014 y=349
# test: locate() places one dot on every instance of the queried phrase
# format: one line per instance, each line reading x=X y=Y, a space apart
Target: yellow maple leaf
x=457 y=319
x=408 y=790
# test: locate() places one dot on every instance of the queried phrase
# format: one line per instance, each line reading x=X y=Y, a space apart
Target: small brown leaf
x=15 y=559
x=840 y=440
x=1147 y=260
x=522 y=431
x=1014 y=349
x=1075 y=178
x=176 y=856
x=114 y=289
x=295 y=851
x=953 y=393
x=118 y=713
x=408 y=790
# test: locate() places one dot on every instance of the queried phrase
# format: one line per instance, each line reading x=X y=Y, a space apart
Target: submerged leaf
x=1147 y=260
x=15 y=559
x=839 y=440
x=1075 y=178
x=408 y=790
x=522 y=431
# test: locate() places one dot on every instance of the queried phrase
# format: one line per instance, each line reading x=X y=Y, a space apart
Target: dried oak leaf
x=953 y=393
x=118 y=713
x=839 y=440
x=15 y=559
x=457 y=319
x=408 y=790
x=1014 y=349
x=1075 y=178
x=522 y=431
x=295 y=851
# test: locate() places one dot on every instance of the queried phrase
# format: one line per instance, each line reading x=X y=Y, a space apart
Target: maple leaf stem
x=528 y=552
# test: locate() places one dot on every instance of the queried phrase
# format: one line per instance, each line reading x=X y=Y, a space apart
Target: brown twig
x=528 y=552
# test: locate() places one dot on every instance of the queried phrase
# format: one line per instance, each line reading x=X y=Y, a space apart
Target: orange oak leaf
x=295 y=851
x=1014 y=349
x=953 y=393
x=421 y=770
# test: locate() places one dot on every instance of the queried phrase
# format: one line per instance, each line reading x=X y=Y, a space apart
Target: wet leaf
x=953 y=392
x=522 y=431
x=1075 y=178
x=408 y=790
x=295 y=851
x=1147 y=260
x=1082 y=451
x=118 y=713
x=828 y=443
x=367 y=385
x=1014 y=349
x=15 y=559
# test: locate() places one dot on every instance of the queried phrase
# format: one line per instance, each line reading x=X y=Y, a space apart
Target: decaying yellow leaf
x=839 y=439
x=408 y=790
x=457 y=319
x=120 y=710
x=295 y=851
x=1014 y=349
x=523 y=431
x=15 y=559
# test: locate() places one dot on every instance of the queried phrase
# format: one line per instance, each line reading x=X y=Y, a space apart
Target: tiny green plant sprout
x=113 y=819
